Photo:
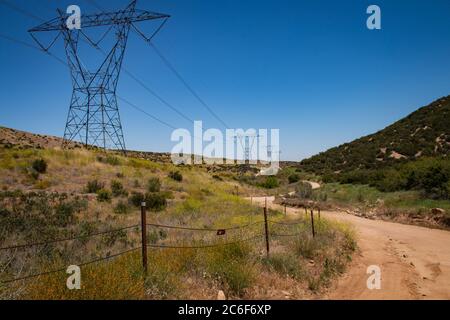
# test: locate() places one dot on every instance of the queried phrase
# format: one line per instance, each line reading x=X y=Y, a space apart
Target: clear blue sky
x=310 y=68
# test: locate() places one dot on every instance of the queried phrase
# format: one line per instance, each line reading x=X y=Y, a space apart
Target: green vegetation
x=94 y=186
x=430 y=176
x=176 y=175
x=93 y=192
x=117 y=189
x=293 y=178
x=103 y=195
x=271 y=182
x=40 y=165
x=153 y=184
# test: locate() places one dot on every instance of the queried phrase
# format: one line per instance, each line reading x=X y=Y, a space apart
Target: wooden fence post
x=312 y=223
x=144 y=236
x=267 y=231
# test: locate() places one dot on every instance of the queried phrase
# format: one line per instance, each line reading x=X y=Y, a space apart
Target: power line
x=20 y=10
x=186 y=84
x=23 y=43
x=171 y=67
x=140 y=82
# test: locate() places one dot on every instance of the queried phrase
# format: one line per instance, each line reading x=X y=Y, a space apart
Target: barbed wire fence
x=266 y=234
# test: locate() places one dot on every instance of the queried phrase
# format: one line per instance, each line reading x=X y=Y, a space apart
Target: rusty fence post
x=266 y=227
x=144 y=236
x=312 y=223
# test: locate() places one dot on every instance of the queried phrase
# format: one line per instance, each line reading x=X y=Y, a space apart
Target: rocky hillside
x=425 y=132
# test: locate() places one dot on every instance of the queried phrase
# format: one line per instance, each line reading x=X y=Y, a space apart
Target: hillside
x=424 y=133
x=82 y=207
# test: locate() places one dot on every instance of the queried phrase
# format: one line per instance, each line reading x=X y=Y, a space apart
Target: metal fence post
x=312 y=223
x=144 y=236
x=267 y=231
x=285 y=212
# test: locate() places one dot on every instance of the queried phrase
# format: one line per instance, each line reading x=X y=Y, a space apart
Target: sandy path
x=414 y=261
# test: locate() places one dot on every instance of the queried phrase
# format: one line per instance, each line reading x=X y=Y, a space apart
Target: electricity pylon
x=93 y=117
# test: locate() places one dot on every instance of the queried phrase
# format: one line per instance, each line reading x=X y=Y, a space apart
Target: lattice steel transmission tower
x=93 y=117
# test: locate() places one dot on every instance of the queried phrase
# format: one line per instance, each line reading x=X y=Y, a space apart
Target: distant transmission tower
x=93 y=117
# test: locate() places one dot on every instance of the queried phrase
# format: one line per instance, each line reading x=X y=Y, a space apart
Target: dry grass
x=199 y=200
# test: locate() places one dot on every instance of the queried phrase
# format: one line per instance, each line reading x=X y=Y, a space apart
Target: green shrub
x=40 y=165
x=293 y=178
x=155 y=201
x=121 y=207
x=117 y=189
x=270 y=183
x=94 y=186
x=154 y=184
x=103 y=195
x=109 y=159
x=136 y=199
x=304 y=190
x=176 y=175
x=64 y=214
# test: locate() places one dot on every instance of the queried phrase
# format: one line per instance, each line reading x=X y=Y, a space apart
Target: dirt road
x=414 y=261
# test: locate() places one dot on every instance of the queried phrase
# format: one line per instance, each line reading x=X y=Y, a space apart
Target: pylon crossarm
x=126 y=16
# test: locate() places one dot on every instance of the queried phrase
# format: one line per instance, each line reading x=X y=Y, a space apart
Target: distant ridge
x=423 y=133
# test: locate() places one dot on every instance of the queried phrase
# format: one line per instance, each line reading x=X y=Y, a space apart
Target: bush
x=155 y=201
x=39 y=165
x=154 y=184
x=176 y=175
x=117 y=189
x=94 y=186
x=304 y=190
x=270 y=183
x=121 y=208
x=103 y=195
x=109 y=159
x=293 y=178
x=136 y=199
